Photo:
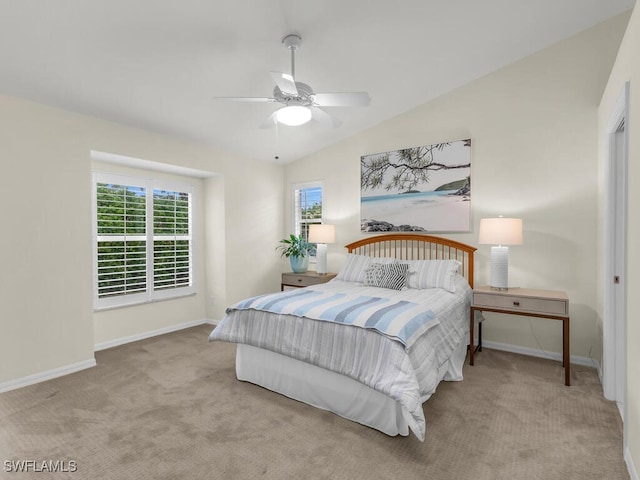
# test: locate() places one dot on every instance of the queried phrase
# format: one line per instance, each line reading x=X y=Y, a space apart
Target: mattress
x=408 y=376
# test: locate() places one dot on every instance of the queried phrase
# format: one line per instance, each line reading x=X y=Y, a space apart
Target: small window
x=143 y=240
x=307 y=207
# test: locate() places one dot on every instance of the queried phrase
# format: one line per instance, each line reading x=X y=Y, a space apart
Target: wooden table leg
x=471 y=345
x=566 y=352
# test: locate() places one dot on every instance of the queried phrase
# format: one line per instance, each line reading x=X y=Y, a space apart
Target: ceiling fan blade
x=323 y=117
x=285 y=83
x=270 y=121
x=351 y=99
x=248 y=99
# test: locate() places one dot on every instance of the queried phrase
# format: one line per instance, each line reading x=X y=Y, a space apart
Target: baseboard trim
x=76 y=367
x=532 y=352
x=153 y=333
x=600 y=373
x=46 y=375
x=630 y=466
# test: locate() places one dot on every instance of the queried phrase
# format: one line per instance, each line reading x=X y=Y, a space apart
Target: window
x=143 y=240
x=307 y=207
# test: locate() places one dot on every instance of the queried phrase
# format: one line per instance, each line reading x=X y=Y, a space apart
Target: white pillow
x=356 y=265
x=432 y=274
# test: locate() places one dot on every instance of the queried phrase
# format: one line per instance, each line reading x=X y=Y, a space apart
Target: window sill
x=143 y=302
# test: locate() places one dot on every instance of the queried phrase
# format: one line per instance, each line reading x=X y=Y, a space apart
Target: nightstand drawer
x=302 y=280
x=306 y=279
x=526 y=304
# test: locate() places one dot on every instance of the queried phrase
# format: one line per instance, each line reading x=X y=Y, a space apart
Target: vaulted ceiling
x=158 y=64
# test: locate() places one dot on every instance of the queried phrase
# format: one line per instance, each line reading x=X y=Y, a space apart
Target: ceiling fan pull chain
x=277 y=157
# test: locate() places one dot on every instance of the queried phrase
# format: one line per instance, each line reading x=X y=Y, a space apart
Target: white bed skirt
x=333 y=392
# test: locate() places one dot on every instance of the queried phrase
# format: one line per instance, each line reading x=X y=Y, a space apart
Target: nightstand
x=299 y=280
x=550 y=304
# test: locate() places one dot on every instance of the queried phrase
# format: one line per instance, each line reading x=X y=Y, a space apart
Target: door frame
x=614 y=372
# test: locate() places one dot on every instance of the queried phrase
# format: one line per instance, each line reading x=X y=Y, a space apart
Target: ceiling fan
x=300 y=103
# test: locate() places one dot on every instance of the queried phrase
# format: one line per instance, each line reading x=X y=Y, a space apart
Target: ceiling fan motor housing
x=304 y=97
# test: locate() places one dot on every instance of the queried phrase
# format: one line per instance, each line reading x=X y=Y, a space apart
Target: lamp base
x=321 y=258
x=500 y=268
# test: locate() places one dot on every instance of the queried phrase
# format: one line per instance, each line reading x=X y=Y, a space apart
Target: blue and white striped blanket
x=399 y=320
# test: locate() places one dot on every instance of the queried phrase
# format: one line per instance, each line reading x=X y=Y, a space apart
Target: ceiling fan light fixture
x=293 y=115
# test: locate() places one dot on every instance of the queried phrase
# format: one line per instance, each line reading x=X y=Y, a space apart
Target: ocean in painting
x=433 y=211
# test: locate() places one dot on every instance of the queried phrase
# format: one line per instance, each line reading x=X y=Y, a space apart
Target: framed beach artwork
x=419 y=189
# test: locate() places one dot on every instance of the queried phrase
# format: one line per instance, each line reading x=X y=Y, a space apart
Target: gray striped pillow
x=432 y=274
x=391 y=275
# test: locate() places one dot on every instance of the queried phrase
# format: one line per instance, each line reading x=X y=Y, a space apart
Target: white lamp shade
x=322 y=233
x=293 y=115
x=500 y=231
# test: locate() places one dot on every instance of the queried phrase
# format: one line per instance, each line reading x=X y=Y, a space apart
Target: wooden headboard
x=413 y=246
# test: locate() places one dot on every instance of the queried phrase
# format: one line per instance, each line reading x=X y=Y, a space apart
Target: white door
x=615 y=292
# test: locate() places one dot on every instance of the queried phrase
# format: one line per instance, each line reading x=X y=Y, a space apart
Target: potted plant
x=297 y=250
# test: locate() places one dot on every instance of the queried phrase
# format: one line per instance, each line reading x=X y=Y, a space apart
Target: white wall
x=533 y=127
x=46 y=316
x=627 y=69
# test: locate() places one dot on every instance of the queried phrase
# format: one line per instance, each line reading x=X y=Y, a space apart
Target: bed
x=371 y=345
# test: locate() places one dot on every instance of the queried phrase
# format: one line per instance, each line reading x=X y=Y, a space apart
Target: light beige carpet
x=170 y=408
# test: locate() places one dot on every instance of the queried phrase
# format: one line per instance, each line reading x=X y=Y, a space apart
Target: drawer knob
x=299 y=280
x=516 y=304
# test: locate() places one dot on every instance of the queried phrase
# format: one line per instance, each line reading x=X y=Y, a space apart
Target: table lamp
x=321 y=234
x=500 y=232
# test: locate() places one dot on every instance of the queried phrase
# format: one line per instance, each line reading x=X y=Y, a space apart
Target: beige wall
x=46 y=313
x=533 y=127
x=627 y=69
